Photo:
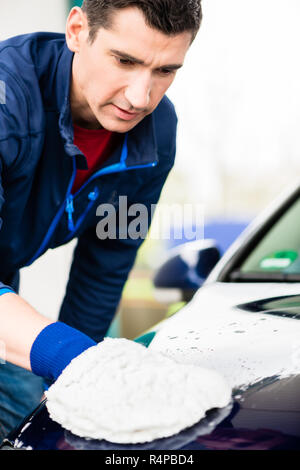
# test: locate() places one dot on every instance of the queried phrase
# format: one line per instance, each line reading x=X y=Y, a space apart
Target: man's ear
x=77 y=29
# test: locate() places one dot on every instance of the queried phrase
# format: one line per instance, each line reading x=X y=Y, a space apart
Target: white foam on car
x=122 y=392
x=246 y=347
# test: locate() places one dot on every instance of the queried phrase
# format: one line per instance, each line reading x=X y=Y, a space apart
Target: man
x=84 y=121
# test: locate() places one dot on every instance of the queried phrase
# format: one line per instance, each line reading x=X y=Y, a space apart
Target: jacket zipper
x=93 y=196
x=68 y=204
x=70 y=209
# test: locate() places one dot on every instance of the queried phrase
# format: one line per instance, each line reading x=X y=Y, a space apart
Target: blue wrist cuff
x=6 y=290
x=55 y=347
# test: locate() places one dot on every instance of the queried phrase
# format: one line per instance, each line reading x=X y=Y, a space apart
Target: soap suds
x=245 y=347
x=122 y=392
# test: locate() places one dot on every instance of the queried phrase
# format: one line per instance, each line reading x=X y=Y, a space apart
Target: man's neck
x=81 y=112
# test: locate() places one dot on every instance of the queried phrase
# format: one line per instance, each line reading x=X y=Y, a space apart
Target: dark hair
x=168 y=16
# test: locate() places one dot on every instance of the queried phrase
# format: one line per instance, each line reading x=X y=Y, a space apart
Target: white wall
x=25 y=16
x=238 y=102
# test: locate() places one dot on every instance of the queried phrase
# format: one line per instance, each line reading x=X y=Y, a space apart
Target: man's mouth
x=125 y=115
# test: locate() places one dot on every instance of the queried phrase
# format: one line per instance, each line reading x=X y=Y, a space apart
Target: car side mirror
x=185 y=270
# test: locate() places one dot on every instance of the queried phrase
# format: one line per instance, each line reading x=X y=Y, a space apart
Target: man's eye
x=166 y=72
x=124 y=61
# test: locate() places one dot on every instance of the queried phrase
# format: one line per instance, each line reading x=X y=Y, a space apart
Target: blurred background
x=238 y=104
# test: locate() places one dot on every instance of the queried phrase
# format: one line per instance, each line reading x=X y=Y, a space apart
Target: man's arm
x=30 y=340
x=20 y=324
x=34 y=342
x=27 y=339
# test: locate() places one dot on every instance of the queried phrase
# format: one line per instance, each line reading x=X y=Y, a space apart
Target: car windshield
x=284 y=306
x=277 y=254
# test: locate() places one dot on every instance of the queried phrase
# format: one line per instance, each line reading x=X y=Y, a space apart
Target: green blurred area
x=139 y=288
x=74 y=3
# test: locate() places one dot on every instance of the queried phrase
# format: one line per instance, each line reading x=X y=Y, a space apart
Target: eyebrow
x=141 y=62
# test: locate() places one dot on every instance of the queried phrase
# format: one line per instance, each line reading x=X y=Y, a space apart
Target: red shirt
x=97 y=145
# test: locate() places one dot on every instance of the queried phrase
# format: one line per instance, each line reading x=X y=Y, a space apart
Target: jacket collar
x=142 y=149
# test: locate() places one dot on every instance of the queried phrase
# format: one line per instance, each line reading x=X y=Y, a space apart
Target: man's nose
x=138 y=91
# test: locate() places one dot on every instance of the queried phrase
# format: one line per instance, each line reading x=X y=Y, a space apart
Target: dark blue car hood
x=265 y=417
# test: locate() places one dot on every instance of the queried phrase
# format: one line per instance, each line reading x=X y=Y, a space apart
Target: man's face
x=123 y=75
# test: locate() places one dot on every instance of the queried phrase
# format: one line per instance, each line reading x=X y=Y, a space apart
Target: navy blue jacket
x=38 y=163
